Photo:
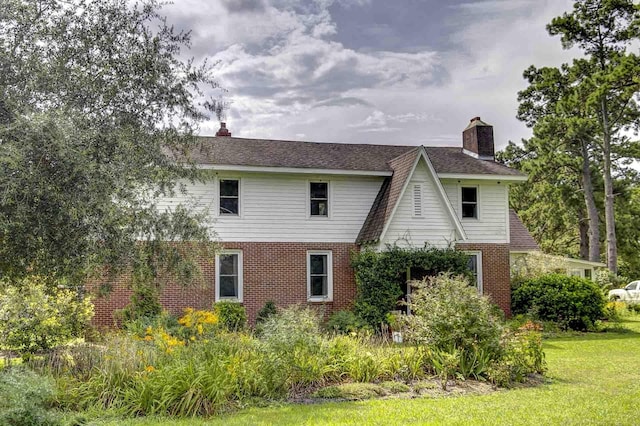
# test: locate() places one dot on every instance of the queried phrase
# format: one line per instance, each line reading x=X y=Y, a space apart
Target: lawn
x=593 y=379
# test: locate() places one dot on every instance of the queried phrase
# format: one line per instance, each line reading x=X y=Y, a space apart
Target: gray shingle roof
x=335 y=156
x=520 y=237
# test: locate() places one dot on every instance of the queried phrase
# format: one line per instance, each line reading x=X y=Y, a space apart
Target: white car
x=631 y=293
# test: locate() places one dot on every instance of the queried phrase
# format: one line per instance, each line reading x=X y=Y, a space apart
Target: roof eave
x=478 y=176
x=296 y=170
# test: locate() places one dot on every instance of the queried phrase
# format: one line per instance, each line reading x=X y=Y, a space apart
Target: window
x=319 y=199
x=229 y=197
x=417 y=200
x=470 y=202
x=319 y=276
x=587 y=273
x=229 y=275
x=632 y=286
x=475 y=266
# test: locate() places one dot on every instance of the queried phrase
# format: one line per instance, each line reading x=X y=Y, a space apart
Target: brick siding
x=271 y=271
x=278 y=272
x=496 y=278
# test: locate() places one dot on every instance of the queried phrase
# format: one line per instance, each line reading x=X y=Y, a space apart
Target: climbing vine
x=379 y=275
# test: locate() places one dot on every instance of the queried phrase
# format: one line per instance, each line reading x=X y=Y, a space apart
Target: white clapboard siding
x=274 y=207
x=434 y=227
x=492 y=223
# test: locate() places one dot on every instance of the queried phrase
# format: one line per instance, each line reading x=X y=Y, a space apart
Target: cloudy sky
x=371 y=71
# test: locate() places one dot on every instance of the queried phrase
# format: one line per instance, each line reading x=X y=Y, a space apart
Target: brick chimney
x=223 y=130
x=477 y=140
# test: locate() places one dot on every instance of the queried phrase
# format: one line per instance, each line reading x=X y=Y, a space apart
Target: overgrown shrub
x=268 y=310
x=380 y=274
x=572 y=302
x=144 y=305
x=464 y=336
x=232 y=315
x=24 y=398
x=449 y=314
x=345 y=322
x=36 y=316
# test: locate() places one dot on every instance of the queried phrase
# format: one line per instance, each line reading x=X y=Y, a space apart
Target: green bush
x=345 y=322
x=269 y=309
x=463 y=335
x=571 y=302
x=24 y=398
x=449 y=314
x=380 y=274
x=37 y=316
x=143 y=306
x=232 y=315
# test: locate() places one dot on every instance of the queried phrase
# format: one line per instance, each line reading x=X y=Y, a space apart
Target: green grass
x=594 y=379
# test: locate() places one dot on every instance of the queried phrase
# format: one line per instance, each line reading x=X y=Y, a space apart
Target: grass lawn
x=594 y=379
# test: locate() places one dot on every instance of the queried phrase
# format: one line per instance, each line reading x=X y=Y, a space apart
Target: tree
x=603 y=29
x=97 y=112
x=553 y=105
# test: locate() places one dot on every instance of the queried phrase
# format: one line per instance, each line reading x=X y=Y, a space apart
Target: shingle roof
x=520 y=238
x=334 y=156
x=387 y=197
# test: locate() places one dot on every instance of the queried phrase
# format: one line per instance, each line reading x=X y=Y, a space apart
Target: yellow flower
x=149 y=369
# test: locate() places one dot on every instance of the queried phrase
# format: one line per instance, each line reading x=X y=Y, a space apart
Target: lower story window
x=475 y=266
x=319 y=276
x=229 y=275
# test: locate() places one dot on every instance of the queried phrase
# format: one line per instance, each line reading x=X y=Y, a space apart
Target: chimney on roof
x=477 y=139
x=223 y=130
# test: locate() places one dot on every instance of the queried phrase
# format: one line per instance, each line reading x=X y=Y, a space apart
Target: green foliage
x=232 y=315
x=572 y=302
x=449 y=314
x=143 y=305
x=36 y=316
x=24 y=398
x=379 y=275
x=345 y=322
x=269 y=309
x=92 y=93
x=464 y=336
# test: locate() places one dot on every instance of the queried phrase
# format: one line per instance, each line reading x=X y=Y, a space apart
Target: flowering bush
x=198 y=324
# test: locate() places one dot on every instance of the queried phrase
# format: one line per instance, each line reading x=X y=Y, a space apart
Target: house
x=524 y=252
x=289 y=214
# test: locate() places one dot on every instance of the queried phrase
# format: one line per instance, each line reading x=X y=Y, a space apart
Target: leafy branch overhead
x=94 y=97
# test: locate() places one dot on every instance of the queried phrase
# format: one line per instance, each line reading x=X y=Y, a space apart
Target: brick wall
x=278 y=272
x=271 y=271
x=496 y=279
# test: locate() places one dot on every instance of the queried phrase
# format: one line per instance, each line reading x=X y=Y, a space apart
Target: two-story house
x=289 y=214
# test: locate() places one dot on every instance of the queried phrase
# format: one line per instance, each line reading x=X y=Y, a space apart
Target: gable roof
x=519 y=236
x=392 y=190
x=231 y=151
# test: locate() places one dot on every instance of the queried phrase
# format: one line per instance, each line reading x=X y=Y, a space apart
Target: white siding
x=275 y=207
x=493 y=210
x=435 y=227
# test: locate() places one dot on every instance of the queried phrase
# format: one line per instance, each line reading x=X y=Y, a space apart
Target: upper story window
x=319 y=199
x=229 y=197
x=319 y=276
x=470 y=202
x=229 y=275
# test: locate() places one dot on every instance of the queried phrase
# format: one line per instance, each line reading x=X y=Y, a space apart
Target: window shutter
x=417 y=200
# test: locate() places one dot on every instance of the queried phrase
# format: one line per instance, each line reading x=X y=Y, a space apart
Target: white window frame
x=329 y=296
x=219 y=196
x=478 y=255
x=329 y=199
x=240 y=276
x=477 y=187
x=420 y=187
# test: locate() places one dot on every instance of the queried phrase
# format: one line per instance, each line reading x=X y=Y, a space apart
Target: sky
x=410 y=72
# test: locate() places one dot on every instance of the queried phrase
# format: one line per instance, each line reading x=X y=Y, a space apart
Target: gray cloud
x=241 y=6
